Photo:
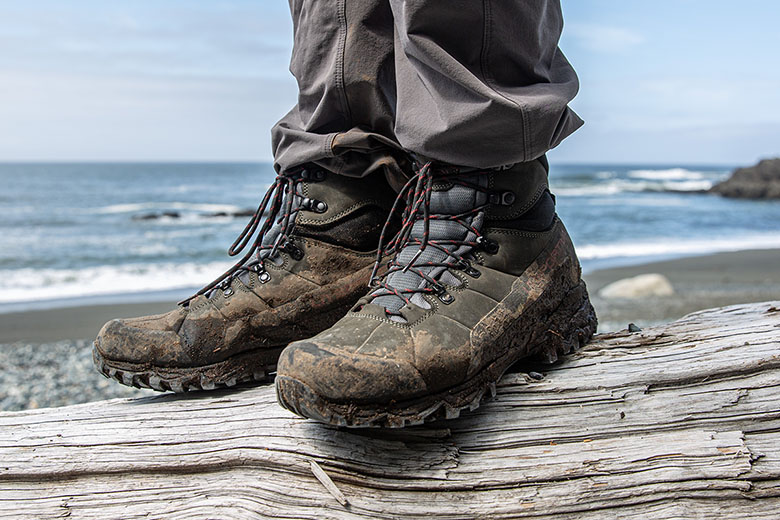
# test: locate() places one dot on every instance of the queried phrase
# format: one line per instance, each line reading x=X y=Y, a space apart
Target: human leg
x=343 y=61
x=483 y=272
x=481 y=83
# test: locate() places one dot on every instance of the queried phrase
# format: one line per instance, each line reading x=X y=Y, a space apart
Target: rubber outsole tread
x=189 y=380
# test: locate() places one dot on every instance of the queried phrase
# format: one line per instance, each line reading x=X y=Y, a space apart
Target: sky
x=662 y=82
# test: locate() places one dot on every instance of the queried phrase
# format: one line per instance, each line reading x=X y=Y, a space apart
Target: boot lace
x=416 y=194
x=280 y=204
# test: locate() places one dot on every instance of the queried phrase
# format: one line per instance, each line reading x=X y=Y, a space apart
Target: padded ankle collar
x=525 y=181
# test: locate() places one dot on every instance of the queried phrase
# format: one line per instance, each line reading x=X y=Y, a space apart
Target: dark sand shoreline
x=700 y=282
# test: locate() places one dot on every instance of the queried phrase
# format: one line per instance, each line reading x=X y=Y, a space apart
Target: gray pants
x=478 y=83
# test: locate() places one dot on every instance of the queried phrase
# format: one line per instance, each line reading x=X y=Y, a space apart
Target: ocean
x=75 y=234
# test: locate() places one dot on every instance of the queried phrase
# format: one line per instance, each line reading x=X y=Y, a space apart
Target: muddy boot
x=483 y=274
x=308 y=264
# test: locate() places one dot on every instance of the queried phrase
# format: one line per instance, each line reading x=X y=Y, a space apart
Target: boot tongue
x=446 y=200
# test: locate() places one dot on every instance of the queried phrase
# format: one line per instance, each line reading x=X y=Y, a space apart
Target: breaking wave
x=672 y=174
x=605 y=183
x=28 y=285
x=677 y=247
x=148 y=206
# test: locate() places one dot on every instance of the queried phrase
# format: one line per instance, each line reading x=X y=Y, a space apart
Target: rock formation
x=761 y=181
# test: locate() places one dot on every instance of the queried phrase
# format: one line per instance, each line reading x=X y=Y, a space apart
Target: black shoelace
x=279 y=201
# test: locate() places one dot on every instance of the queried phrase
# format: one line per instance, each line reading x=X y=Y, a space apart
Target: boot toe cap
x=344 y=377
x=122 y=340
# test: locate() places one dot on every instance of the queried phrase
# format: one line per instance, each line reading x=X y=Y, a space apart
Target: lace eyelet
x=489 y=246
x=227 y=293
x=316 y=175
x=502 y=198
x=467 y=268
x=294 y=251
x=314 y=205
x=441 y=293
x=474 y=273
x=264 y=277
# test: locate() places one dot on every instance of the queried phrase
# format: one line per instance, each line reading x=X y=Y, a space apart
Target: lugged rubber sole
x=254 y=366
x=568 y=327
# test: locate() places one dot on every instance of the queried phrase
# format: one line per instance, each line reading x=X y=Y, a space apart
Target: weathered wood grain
x=679 y=421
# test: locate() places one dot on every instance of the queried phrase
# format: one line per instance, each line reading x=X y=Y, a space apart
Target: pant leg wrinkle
x=347 y=82
x=380 y=78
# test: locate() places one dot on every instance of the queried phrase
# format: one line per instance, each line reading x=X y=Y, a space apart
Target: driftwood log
x=678 y=421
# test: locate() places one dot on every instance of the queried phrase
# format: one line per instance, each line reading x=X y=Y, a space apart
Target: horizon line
x=566 y=162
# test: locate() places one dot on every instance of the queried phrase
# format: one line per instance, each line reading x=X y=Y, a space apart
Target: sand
x=699 y=283
x=42 y=326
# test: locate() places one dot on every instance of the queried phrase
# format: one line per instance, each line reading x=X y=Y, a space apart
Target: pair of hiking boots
x=473 y=271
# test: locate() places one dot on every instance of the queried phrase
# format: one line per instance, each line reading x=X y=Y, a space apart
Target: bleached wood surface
x=678 y=421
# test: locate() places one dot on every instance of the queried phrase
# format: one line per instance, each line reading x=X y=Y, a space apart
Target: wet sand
x=42 y=326
x=699 y=282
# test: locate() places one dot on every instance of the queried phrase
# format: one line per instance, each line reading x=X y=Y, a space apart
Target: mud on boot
x=304 y=266
x=483 y=274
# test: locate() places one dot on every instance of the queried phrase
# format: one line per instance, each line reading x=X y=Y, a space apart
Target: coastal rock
x=153 y=216
x=234 y=214
x=761 y=181
x=175 y=214
x=642 y=286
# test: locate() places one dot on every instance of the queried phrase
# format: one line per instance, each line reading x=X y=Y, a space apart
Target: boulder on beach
x=761 y=181
x=642 y=286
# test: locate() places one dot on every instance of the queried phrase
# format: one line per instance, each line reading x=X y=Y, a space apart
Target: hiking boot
x=309 y=263
x=483 y=273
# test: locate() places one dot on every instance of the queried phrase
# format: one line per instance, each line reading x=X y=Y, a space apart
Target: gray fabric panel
x=453 y=201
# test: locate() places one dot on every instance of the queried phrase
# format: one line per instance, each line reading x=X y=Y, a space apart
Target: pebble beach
x=42 y=375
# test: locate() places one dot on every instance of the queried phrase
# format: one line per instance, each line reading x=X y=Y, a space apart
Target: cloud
x=147 y=39
x=604 y=38
x=142 y=80
x=57 y=117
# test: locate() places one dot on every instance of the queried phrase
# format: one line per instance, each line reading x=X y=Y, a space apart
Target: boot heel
x=572 y=325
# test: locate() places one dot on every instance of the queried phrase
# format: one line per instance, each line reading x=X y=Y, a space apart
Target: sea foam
x=616 y=186
x=672 y=174
x=677 y=247
x=27 y=285
x=182 y=206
